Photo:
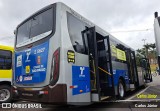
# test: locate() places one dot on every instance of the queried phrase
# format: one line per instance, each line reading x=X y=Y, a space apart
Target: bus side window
x=75 y=27
x=5 y=59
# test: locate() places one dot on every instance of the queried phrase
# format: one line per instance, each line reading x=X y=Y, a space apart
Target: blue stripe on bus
x=116 y=75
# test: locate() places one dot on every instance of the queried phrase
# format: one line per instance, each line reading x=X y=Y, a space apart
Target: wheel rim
x=4 y=94
x=121 y=90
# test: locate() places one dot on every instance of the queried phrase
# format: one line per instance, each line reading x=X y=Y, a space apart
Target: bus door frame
x=110 y=65
x=148 y=70
x=132 y=68
x=93 y=56
x=90 y=33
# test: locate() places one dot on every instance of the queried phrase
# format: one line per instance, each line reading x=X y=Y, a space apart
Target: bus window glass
x=5 y=59
x=23 y=32
x=75 y=27
x=42 y=24
x=38 y=26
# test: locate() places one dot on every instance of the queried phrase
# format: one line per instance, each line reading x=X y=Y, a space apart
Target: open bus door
x=89 y=37
x=148 y=75
x=91 y=42
x=132 y=69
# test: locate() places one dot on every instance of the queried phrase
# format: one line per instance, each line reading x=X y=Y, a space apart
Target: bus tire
x=5 y=93
x=121 y=89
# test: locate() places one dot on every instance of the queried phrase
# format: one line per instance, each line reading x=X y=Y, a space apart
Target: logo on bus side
x=82 y=69
x=80 y=80
x=19 y=78
x=28 y=52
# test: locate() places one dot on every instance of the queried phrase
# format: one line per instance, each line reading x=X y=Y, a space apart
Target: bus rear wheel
x=121 y=89
x=5 y=93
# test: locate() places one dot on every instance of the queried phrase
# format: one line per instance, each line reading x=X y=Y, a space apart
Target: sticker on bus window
x=39 y=60
x=71 y=56
x=19 y=60
x=121 y=55
x=27 y=69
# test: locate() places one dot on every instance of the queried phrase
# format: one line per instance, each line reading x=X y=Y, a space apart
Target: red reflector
x=71 y=86
x=45 y=92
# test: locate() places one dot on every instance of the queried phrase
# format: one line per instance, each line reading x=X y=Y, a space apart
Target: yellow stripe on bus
x=5 y=73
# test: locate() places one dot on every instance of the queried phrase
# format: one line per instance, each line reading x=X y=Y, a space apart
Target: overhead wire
x=123 y=31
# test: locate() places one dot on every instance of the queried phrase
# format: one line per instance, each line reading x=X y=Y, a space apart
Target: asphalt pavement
x=138 y=100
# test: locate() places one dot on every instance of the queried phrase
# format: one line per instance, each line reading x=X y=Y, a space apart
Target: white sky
x=111 y=15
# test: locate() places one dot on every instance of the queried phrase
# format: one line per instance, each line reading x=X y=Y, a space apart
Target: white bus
x=157 y=35
x=61 y=57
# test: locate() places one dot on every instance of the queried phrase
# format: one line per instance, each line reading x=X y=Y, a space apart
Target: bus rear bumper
x=56 y=95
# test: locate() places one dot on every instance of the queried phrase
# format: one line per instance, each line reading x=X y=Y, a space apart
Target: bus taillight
x=55 y=67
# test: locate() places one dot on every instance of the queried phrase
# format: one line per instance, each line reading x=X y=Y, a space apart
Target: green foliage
x=148 y=51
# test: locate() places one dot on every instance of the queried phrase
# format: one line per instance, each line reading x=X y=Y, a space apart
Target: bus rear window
x=38 y=26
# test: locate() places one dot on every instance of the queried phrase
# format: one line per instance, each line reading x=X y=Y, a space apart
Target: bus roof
x=3 y=47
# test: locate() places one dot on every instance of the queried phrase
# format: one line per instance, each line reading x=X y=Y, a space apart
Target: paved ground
x=125 y=105
x=150 y=93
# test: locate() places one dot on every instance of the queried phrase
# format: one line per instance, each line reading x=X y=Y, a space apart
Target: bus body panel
x=31 y=64
x=6 y=55
x=6 y=75
x=141 y=73
x=120 y=70
x=157 y=35
x=81 y=60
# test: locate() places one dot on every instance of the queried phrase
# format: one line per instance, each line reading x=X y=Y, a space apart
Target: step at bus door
x=89 y=39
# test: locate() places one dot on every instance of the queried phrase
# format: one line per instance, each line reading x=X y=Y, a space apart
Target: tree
x=147 y=47
x=148 y=51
